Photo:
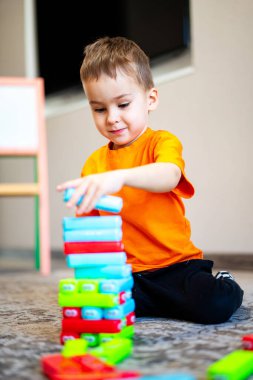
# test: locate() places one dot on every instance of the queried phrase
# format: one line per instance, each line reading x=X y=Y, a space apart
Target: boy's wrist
x=128 y=176
x=123 y=174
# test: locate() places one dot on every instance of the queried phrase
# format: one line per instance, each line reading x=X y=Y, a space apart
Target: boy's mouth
x=117 y=131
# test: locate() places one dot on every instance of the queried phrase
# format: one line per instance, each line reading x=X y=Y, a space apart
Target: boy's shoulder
x=162 y=134
x=93 y=159
x=98 y=152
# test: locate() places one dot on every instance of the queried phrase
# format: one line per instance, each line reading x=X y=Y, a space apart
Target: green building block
x=237 y=365
x=126 y=332
x=114 y=351
x=88 y=299
x=74 y=347
x=91 y=339
x=88 y=285
x=68 y=286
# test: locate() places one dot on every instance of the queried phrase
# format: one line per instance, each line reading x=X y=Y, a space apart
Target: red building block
x=91 y=326
x=71 y=312
x=93 y=247
x=68 y=335
x=247 y=342
x=130 y=319
x=85 y=367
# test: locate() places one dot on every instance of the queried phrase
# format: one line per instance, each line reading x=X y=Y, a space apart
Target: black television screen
x=64 y=29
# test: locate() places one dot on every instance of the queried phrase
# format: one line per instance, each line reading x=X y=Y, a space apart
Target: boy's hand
x=93 y=187
x=160 y=177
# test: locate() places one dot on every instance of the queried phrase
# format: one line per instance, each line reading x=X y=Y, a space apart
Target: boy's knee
x=219 y=306
x=213 y=311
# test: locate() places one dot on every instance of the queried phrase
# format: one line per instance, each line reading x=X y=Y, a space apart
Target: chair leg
x=45 y=254
x=42 y=240
x=37 y=234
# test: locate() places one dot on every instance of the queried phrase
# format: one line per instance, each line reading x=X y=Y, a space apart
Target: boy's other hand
x=92 y=187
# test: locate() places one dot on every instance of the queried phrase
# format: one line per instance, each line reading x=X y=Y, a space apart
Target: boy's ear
x=152 y=99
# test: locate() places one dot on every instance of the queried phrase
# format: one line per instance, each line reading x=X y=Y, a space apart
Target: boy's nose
x=113 y=117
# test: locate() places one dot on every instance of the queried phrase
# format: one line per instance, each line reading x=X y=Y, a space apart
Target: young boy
x=146 y=168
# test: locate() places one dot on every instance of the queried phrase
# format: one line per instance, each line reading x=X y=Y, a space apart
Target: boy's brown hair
x=109 y=54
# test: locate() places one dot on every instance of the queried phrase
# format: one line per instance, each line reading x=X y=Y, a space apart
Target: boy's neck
x=113 y=147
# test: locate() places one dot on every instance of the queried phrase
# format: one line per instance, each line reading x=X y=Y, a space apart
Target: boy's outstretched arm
x=158 y=177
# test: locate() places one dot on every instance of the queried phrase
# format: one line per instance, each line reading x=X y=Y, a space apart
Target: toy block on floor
x=113 y=351
x=238 y=365
x=169 y=376
x=85 y=367
x=75 y=347
x=247 y=342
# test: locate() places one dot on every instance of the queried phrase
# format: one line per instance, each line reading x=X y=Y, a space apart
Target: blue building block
x=92 y=222
x=113 y=234
x=116 y=285
x=95 y=259
x=92 y=313
x=119 y=312
x=169 y=376
x=108 y=203
x=106 y=271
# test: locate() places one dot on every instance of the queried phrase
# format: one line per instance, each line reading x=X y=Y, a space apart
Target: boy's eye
x=99 y=110
x=123 y=105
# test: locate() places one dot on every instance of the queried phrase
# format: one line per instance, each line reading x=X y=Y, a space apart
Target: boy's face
x=120 y=107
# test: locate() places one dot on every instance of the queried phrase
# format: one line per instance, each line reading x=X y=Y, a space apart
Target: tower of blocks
x=97 y=304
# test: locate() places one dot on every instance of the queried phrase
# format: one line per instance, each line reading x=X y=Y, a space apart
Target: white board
x=18 y=117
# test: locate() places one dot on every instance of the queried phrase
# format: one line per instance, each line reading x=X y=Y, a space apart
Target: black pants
x=186 y=291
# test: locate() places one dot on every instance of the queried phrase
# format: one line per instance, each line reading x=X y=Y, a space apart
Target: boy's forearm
x=159 y=177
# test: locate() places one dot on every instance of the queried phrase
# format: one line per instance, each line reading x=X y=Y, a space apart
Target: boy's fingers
x=68 y=184
x=89 y=200
x=79 y=191
x=97 y=195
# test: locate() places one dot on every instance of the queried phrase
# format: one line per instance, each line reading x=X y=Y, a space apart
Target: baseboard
x=240 y=261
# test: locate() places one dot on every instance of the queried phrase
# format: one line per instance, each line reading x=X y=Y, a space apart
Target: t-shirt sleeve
x=89 y=167
x=169 y=149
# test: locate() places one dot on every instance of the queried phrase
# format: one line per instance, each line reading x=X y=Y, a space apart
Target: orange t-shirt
x=155 y=231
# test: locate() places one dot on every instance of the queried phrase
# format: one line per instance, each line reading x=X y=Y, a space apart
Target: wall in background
x=211 y=111
x=12 y=46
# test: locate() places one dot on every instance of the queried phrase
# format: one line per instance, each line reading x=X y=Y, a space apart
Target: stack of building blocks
x=97 y=304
